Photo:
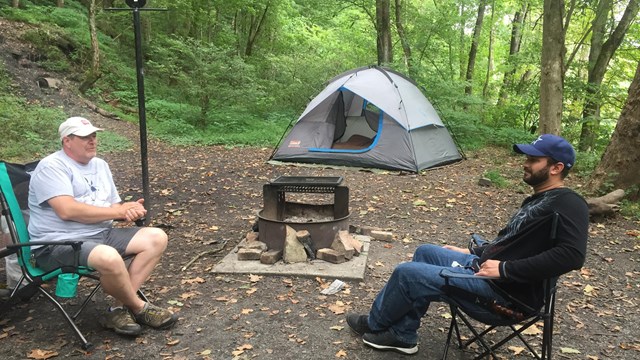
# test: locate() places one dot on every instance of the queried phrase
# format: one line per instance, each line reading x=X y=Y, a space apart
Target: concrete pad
x=353 y=269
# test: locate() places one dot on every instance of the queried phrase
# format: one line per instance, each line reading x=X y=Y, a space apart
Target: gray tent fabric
x=370 y=117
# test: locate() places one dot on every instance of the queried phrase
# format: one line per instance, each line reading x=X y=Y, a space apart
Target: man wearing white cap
x=72 y=196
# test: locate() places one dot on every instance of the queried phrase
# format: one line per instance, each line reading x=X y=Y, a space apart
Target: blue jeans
x=405 y=298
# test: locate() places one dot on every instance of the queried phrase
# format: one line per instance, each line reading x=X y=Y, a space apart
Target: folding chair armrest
x=476 y=241
x=448 y=274
x=139 y=222
x=7 y=252
x=33 y=243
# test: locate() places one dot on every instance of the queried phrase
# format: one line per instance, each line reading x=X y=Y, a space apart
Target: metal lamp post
x=135 y=7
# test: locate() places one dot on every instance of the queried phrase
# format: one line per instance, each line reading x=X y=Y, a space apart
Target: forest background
x=238 y=72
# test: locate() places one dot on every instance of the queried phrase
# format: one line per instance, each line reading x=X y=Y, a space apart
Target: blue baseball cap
x=553 y=146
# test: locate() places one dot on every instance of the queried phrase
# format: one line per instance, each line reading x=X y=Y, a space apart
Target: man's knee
x=155 y=238
x=424 y=250
x=105 y=258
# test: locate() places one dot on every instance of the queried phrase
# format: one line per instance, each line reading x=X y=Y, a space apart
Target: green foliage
x=496 y=178
x=49 y=46
x=586 y=163
x=28 y=131
x=226 y=127
x=630 y=208
x=112 y=142
x=204 y=86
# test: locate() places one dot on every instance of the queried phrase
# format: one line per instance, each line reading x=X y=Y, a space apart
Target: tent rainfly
x=370 y=117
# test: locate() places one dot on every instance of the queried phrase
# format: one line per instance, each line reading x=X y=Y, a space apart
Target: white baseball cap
x=77 y=126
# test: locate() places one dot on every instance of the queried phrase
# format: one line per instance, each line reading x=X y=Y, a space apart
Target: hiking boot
x=385 y=341
x=121 y=321
x=156 y=317
x=358 y=323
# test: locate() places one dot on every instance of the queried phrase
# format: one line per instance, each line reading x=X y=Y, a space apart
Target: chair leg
x=93 y=292
x=547 y=337
x=478 y=336
x=85 y=344
x=86 y=301
x=452 y=325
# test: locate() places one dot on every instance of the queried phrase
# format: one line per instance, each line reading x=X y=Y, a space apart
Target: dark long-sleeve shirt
x=527 y=260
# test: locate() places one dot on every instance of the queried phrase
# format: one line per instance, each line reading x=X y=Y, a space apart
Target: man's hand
x=458 y=249
x=490 y=268
x=132 y=210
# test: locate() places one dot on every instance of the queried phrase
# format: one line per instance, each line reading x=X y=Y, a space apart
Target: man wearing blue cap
x=394 y=318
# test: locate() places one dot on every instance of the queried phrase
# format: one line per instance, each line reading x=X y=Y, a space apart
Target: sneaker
x=121 y=321
x=358 y=323
x=385 y=340
x=156 y=317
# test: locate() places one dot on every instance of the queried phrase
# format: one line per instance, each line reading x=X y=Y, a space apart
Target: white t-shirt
x=57 y=175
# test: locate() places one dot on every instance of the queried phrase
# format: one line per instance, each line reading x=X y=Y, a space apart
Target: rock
x=270 y=257
x=331 y=256
x=252 y=236
x=363 y=230
x=485 y=182
x=382 y=235
x=355 y=243
x=293 y=251
x=342 y=245
x=304 y=237
x=249 y=254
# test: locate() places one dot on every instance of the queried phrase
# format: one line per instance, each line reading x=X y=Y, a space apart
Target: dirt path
x=208 y=196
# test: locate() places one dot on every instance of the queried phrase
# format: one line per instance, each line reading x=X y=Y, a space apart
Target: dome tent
x=370 y=117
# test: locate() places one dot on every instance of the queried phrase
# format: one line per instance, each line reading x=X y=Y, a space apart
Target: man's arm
x=68 y=209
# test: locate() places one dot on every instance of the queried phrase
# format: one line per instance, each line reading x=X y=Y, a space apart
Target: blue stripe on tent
x=356 y=151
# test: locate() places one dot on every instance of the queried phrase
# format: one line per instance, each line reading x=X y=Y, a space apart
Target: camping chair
x=515 y=318
x=33 y=278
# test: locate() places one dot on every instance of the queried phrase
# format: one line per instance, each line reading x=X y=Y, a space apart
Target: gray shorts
x=52 y=257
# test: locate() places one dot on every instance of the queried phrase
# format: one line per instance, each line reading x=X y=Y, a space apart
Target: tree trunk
x=15 y=3
x=60 y=3
x=383 y=28
x=254 y=30
x=487 y=79
x=551 y=77
x=473 y=51
x=94 y=73
x=514 y=48
x=600 y=55
x=461 y=53
x=406 y=48
x=620 y=164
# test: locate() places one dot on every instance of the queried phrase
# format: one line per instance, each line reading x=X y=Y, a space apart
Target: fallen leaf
x=566 y=350
x=588 y=290
x=197 y=280
x=40 y=354
x=251 y=291
x=532 y=330
x=173 y=342
x=517 y=350
x=419 y=203
x=341 y=353
x=188 y=295
x=338 y=308
x=337 y=327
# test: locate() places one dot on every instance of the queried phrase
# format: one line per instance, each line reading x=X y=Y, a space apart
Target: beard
x=538 y=177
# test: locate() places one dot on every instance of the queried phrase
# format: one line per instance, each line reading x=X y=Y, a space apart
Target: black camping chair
x=516 y=318
x=13 y=179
